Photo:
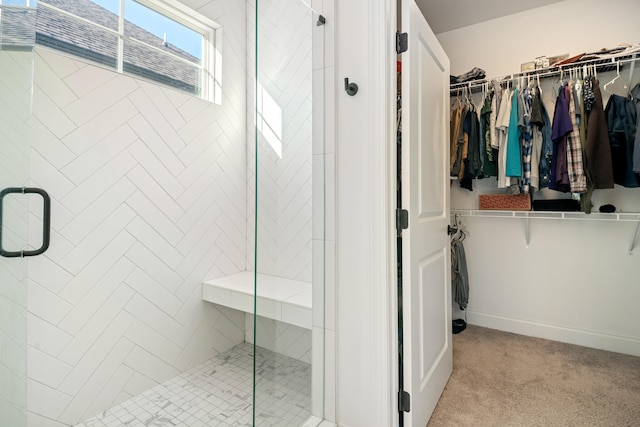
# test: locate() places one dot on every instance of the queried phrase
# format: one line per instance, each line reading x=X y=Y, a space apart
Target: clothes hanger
x=617 y=78
x=470 y=103
x=457 y=102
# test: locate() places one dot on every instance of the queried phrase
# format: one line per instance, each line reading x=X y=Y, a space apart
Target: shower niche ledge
x=286 y=300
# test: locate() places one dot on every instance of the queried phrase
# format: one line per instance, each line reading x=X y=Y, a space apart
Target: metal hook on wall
x=350 y=88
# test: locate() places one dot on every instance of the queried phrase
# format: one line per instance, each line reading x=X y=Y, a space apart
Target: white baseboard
x=617 y=344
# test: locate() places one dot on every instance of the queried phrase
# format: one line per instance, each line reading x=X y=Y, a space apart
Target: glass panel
x=152 y=64
x=289 y=240
x=157 y=30
x=103 y=12
x=16 y=65
x=59 y=31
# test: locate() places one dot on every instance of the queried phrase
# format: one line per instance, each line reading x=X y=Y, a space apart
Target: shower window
x=149 y=39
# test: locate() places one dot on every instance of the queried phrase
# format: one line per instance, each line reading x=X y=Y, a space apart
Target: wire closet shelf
x=596 y=65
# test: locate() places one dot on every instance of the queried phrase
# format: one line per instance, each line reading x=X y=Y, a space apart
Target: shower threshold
x=219 y=392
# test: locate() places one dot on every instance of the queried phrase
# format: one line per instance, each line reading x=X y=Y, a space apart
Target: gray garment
x=635 y=99
x=459 y=275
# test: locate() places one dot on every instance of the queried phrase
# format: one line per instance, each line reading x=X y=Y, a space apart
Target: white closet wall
x=499 y=46
x=576 y=281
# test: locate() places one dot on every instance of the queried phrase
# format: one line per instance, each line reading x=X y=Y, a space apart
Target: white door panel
x=425 y=194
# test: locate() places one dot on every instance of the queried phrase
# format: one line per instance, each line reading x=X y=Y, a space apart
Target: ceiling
x=446 y=15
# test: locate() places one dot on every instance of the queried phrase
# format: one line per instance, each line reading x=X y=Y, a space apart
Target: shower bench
x=286 y=300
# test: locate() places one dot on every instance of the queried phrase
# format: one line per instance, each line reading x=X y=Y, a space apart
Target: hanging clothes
x=513 y=166
x=585 y=198
x=471 y=156
x=575 y=166
x=526 y=130
x=456 y=141
x=542 y=141
x=597 y=145
x=502 y=129
x=560 y=130
x=464 y=151
x=635 y=100
x=621 y=121
x=493 y=117
x=487 y=114
x=459 y=274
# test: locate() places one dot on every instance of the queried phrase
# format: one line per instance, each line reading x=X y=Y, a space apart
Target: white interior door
x=425 y=194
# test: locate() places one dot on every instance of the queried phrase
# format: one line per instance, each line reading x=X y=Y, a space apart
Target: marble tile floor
x=219 y=392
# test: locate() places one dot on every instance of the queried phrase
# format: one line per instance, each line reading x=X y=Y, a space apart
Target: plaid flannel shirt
x=575 y=165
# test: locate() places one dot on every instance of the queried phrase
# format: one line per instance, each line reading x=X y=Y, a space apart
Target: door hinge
x=402 y=42
x=404 y=401
x=402 y=219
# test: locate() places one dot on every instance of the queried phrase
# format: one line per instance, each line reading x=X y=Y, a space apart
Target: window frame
x=211 y=61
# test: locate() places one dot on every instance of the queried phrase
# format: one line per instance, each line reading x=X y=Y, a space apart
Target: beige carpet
x=503 y=379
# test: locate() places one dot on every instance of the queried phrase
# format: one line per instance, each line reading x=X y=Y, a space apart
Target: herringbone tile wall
x=284 y=183
x=149 y=198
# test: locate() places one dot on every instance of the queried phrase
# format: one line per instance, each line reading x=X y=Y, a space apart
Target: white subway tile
x=154 y=216
x=150 y=263
x=99 y=154
x=86 y=78
x=87 y=307
x=93 y=187
x=50 y=115
x=45 y=401
x=44 y=336
x=153 y=342
x=155 y=193
x=46 y=304
x=83 y=223
x=149 y=288
x=84 y=281
x=97 y=240
x=45 y=369
x=153 y=240
x=156 y=122
x=78 y=408
x=92 y=104
x=149 y=365
x=90 y=132
x=155 y=168
x=109 y=317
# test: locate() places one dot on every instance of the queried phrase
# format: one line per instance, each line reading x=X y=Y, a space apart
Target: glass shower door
x=287 y=159
x=17 y=25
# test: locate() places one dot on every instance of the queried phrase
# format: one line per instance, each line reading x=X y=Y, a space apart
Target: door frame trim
x=366 y=378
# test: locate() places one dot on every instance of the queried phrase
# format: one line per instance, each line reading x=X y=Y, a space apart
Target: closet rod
x=601 y=64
